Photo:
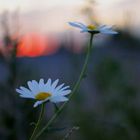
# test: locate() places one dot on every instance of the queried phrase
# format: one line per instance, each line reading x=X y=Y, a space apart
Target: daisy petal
x=34 y=82
x=48 y=83
x=64 y=88
x=104 y=27
x=81 y=24
x=26 y=96
x=108 y=32
x=19 y=91
x=65 y=92
x=41 y=82
x=42 y=85
x=59 y=87
x=32 y=87
x=57 y=99
x=37 y=103
x=74 y=24
x=55 y=83
x=84 y=30
x=27 y=91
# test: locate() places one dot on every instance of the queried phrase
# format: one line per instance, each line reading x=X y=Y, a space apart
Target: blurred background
x=37 y=42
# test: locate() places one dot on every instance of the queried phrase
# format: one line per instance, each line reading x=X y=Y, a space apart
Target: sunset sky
x=29 y=5
x=36 y=18
x=43 y=15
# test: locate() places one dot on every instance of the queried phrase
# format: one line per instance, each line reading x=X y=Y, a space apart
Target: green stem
x=73 y=91
x=38 y=122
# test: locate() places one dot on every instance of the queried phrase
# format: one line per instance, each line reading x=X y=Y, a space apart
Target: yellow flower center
x=91 y=27
x=42 y=96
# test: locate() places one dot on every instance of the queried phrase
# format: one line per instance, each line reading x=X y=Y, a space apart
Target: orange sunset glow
x=34 y=44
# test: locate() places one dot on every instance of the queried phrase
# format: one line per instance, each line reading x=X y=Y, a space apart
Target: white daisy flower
x=43 y=92
x=104 y=29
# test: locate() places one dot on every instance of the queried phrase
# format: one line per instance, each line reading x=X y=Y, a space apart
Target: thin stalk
x=76 y=87
x=38 y=122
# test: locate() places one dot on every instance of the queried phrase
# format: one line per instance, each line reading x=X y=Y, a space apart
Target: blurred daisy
x=43 y=92
x=104 y=29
